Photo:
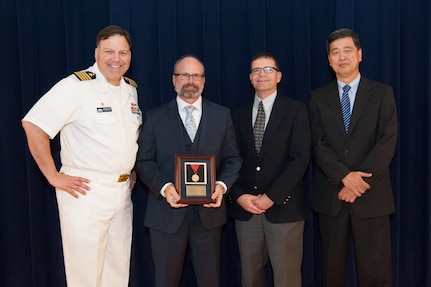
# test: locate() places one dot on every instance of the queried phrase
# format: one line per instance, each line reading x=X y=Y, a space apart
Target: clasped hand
x=255 y=204
x=354 y=186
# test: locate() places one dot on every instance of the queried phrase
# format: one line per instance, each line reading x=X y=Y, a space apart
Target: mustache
x=188 y=85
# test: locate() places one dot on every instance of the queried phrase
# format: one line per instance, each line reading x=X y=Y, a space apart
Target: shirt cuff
x=223 y=184
x=162 y=190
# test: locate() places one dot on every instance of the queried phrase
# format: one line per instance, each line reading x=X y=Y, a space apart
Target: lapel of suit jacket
x=206 y=120
x=362 y=96
x=246 y=126
x=177 y=124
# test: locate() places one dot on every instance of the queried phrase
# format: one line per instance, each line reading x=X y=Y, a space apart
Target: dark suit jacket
x=369 y=147
x=162 y=136
x=283 y=160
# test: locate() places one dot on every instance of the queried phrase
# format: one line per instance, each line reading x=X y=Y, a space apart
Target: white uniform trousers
x=96 y=233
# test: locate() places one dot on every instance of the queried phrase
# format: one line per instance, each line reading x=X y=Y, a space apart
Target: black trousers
x=169 y=252
x=372 y=246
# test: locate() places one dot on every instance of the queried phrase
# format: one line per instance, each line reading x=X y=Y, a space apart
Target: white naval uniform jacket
x=98 y=130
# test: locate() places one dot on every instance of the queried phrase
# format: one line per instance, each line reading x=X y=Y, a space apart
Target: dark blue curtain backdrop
x=46 y=40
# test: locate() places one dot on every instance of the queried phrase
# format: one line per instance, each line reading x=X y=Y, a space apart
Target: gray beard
x=189 y=95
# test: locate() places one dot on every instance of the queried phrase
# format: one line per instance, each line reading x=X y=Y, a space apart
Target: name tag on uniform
x=104 y=109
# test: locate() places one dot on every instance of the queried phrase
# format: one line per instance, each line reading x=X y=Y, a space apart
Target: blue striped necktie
x=345 y=107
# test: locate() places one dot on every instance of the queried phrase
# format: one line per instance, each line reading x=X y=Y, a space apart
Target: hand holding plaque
x=195 y=178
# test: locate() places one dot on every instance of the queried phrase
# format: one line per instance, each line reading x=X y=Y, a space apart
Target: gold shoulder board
x=85 y=75
x=130 y=82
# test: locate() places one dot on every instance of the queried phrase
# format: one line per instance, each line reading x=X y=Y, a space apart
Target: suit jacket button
x=257 y=168
x=255 y=187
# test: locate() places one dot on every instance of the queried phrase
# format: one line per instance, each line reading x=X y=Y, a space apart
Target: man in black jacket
x=352 y=149
x=268 y=198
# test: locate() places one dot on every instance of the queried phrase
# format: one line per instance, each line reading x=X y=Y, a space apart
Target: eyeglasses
x=266 y=70
x=185 y=76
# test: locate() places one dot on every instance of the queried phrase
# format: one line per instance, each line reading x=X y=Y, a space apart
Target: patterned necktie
x=259 y=128
x=190 y=122
x=345 y=107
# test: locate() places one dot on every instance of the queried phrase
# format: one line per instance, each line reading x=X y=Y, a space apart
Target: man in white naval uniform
x=97 y=114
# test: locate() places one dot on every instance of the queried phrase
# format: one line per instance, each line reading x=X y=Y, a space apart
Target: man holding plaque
x=179 y=145
x=268 y=199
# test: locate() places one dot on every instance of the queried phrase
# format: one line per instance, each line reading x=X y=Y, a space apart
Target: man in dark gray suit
x=174 y=225
x=268 y=198
x=354 y=134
